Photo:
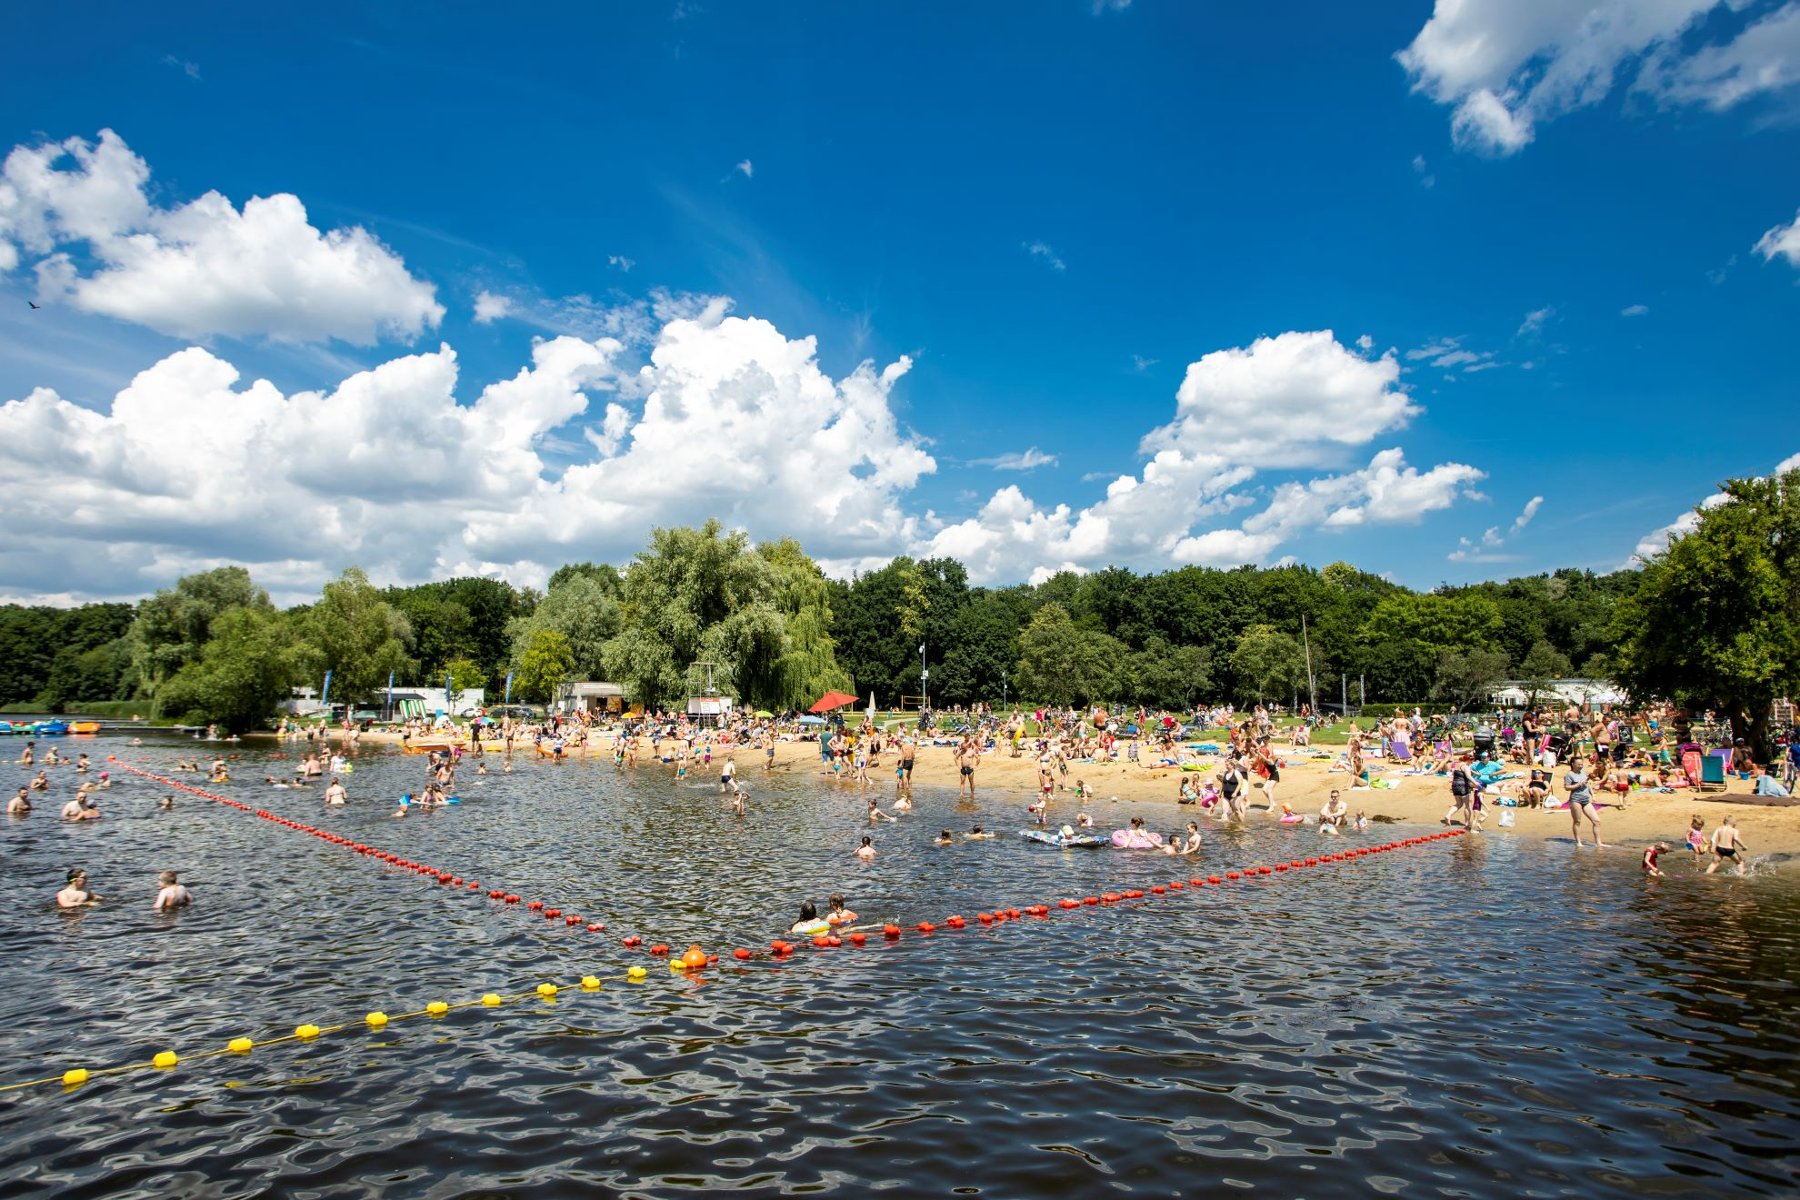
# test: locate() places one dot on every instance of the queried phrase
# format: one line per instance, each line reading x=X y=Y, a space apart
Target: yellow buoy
x=636 y=973
x=678 y=967
x=492 y=1000
x=547 y=990
x=165 y=1058
x=306 y=1031
x=376 y=1019
x=77 y=1076
x=438 y=1008
x=240 y=1045
x=590 y=982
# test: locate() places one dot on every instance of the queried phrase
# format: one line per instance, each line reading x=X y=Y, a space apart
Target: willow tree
x=808 y=665
x=697 y=596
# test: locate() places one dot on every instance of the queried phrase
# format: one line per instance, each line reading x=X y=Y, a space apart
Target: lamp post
x=924 y=679
x=1003 y=691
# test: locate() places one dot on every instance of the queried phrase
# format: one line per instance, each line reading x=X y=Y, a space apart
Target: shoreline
x=1123 y=790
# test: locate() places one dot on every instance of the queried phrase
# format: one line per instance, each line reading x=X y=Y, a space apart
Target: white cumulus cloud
x=491 y=306
x=200 y=269
x=1783 y=240
x=1508 y=66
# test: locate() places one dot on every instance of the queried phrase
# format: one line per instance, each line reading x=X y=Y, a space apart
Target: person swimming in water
x=866 y=851
x=75 y=894
x=839 y=915
x=977 y=833
x=943 y=838
x=810 y=924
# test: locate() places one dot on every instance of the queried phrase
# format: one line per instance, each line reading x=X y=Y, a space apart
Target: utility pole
x=1003 y=691
x=1312 y=689
x=924 y=678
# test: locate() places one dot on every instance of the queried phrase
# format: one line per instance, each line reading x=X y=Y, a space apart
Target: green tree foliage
x=704 y=596
x=1715 y=622
x=1268 y=664
x=468 y=617
x=1062 y=664
x=808 y=666
x=1443 y=622
x=241 y=674
x=545 y=666
x=1543 y=664
x=175 y=624
x=1165 y=676
x=356 y=635
x=584 y=610
x=52 y=657
x=1466 y=678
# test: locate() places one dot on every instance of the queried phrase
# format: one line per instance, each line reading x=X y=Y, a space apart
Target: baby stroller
x=1484 y=742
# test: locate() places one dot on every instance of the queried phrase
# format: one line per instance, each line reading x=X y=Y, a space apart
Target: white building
x=1515 y=693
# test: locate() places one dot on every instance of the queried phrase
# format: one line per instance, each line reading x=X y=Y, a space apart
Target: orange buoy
x=740 y=954
x=955 y=922
x=632 y=942
x=659 y=949
x=890 y=931
x=536 y=906
x=1068 y=903
x=553 y=913
x=926 y=927
x=695 y=956
x=571 y=919
x=858 y=937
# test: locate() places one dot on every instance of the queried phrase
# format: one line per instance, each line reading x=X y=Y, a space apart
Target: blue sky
x=1554 y=245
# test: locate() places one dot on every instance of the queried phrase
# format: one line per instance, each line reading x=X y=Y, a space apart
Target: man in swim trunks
x=19 y=805
x=1727 y=846
x=909 y=749
x=968 y=756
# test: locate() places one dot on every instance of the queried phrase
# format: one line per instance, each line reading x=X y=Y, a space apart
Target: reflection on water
x=1464 y=1018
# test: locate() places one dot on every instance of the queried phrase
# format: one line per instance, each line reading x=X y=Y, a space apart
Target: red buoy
x=926 y=927
x=858 y=938
x=536 y=906
x=955 y=922
x=659 y=949
x=890 y=931
x=740 y=954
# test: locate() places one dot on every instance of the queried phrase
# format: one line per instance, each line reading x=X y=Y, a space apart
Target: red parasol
x=831 y=700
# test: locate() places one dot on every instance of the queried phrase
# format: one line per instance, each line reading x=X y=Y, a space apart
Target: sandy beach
x=1123 y=790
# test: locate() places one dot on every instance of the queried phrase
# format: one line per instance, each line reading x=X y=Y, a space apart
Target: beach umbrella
x=832 y=700
x=763 y=712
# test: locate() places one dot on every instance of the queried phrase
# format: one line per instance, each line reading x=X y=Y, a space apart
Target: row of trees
x=1714 y=622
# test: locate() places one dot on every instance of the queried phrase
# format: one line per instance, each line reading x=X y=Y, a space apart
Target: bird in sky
x=32 y=305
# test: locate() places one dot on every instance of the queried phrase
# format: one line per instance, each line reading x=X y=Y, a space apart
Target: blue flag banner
x=508 y=699
x=325 y=692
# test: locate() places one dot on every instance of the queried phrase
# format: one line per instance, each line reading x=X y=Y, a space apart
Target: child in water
x=943 y=838
x=1696 y=837
x=839 y=915
x=866 y=851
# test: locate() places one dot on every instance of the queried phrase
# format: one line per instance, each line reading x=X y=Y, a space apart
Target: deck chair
x=1712 y=773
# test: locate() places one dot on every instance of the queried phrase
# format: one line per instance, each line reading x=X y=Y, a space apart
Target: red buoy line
x=694 y=959
x=781 y=948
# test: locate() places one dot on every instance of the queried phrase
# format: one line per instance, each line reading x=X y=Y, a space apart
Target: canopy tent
x=812 y=720
x=831 y=700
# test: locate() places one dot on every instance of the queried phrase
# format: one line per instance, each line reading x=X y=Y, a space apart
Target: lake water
x=1463 y=1018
